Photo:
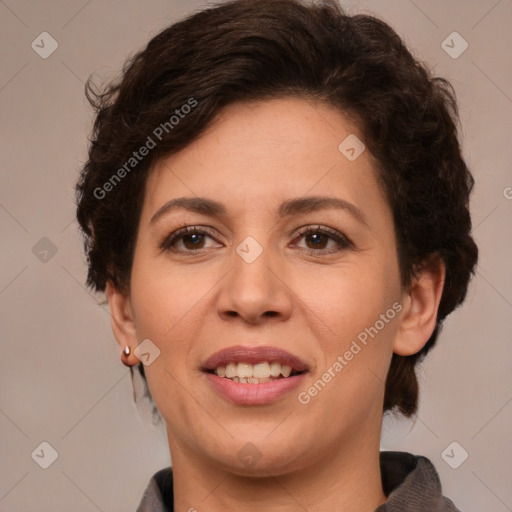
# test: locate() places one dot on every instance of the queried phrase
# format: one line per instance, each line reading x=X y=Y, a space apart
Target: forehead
x=257 y=154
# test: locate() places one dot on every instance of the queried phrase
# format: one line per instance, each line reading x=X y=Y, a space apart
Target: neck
x=349 y=480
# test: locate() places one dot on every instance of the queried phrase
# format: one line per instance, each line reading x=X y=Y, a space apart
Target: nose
x=255 y=291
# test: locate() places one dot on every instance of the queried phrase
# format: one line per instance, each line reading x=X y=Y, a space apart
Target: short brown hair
x=261 y=49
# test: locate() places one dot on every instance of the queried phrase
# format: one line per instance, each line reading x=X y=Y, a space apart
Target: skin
x=320 y=456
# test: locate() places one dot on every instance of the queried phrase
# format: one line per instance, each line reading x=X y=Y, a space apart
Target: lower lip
x=254 y=394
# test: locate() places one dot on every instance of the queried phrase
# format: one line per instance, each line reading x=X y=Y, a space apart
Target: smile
x=254 y=375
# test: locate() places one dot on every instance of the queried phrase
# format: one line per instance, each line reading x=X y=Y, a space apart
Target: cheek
x=163 y=297
x=349 y=300
x=356 y=333
x=166 y=312
x=355 y=338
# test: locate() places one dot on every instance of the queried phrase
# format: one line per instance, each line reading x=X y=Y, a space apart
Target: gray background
x=61 y=379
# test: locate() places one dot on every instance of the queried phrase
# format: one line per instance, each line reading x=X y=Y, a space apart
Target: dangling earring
x=124 y=356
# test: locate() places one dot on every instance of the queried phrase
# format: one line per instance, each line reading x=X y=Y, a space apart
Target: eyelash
x=343 y=242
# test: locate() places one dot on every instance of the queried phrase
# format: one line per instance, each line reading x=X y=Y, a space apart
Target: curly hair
x=245 y=50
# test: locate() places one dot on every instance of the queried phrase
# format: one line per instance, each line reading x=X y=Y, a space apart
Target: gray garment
x=152 y=500
x=410 y=482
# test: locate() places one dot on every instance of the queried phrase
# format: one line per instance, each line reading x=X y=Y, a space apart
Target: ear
x=123 y=323
x=420 y=306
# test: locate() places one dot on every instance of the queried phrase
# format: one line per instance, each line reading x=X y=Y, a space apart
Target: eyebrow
x=288 y=208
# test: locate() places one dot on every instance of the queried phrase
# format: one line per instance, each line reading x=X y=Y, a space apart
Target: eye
x=190 y=238
x=318 y=237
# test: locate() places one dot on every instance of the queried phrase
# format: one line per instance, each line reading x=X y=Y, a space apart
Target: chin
x=261 y=458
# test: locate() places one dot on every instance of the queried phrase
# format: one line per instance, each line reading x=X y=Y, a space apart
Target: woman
x=276 y=205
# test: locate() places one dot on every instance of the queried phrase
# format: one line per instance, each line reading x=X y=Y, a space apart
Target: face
x=264 y=273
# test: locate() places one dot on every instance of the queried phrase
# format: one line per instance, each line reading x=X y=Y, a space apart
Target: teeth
x=253 y=374
x=231 y=370
x=275 y=369
x=261 y=370
x=244 y=370
x=286 y=371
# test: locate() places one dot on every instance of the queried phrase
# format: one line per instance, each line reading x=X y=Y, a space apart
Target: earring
x=124 y=356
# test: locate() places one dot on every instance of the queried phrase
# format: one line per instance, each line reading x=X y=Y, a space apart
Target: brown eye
x=318 y=238
x=188 y=239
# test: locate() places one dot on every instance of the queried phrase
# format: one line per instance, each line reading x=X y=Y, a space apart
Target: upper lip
x=254 y=355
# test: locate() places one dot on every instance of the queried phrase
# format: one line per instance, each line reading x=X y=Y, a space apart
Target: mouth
x=254 y=375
